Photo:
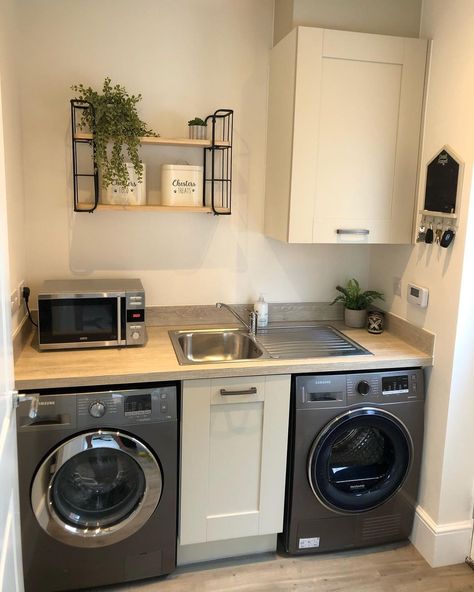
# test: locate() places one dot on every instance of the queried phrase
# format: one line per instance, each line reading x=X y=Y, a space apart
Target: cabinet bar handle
x=251 y=391
x=352 y=231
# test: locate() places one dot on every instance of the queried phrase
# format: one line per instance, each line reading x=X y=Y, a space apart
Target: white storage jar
x=134 y=195
x=181 y=185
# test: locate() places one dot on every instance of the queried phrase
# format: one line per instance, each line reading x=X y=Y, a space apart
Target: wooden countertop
x=156 y=361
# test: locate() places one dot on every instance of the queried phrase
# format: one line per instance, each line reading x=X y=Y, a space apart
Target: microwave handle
x=119 y=319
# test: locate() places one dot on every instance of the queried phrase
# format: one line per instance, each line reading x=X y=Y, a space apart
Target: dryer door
x=359 y=460
x=96 y=489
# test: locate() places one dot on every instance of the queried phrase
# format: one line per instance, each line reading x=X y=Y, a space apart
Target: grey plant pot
x=355 y=318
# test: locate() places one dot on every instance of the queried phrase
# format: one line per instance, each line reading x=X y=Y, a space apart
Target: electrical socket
x=14 y=302
x=21 y=285
x=397 y=286
x=16 y=298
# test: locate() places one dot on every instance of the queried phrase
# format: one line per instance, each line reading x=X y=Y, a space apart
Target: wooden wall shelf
x=159 y=141
x=148 y=208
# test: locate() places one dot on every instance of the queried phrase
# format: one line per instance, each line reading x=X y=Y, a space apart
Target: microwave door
x=79 y=322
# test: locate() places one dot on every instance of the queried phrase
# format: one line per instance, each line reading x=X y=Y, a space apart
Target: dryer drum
x=359 y=460
x=363 y=445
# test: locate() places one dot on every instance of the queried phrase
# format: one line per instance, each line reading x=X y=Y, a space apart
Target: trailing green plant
x=353 y=298
x=116 y=125
x=197 y=121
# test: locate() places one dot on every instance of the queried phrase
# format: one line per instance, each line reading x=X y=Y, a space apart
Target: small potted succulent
x=197 y=129
x=356 y=302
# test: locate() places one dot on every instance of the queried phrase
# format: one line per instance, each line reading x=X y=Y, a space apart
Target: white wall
x=187 y=58
x=448 y=471
x=385 y=17
x=12 y=138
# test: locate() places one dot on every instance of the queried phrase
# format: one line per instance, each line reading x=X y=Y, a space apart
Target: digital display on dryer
x=395 y=385
x=137 y=405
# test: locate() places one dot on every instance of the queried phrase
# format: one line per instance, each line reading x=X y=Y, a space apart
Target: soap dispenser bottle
x=261 y=308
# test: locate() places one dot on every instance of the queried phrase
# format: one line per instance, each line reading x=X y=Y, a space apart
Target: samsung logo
x=322 y=382
x=84 y=338
x=46 y=402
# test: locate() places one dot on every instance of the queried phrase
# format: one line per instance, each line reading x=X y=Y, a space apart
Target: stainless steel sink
x=205 y=346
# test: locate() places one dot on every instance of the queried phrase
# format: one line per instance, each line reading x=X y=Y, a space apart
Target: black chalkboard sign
x=442 y=183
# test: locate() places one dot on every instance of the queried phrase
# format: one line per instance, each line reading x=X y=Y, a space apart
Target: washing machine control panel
x=127 y=407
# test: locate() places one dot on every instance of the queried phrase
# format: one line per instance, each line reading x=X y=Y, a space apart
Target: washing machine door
x=96 y=489
x=359 y=460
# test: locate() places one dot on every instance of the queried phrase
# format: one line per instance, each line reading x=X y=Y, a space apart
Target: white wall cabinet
x=344 y=126
x=233 y=457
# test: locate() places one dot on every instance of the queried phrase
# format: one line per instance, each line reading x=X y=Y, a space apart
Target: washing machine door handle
x=96 y=488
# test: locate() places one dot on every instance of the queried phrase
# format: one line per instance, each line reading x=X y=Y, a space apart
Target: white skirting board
x=441 y=544
x=222 y=549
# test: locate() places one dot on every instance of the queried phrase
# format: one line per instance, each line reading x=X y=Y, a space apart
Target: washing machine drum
x=359 y=460
x=96 y=489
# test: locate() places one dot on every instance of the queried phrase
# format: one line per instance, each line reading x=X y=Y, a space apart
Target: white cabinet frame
x=344 y=125
x=243 y=437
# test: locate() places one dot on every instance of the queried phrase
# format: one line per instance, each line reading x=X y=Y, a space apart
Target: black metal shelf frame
x=217 y=174
x=218 y=158
x=77 y=108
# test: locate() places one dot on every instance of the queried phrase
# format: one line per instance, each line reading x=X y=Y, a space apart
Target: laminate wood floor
x=392 y=568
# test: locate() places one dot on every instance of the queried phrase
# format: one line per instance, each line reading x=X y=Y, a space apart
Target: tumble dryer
x=353 y=460
x=98 y=471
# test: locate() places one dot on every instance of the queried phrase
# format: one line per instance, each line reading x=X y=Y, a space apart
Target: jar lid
x=181 y=167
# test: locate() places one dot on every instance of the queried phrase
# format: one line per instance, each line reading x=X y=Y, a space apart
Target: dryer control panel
x=340 y=390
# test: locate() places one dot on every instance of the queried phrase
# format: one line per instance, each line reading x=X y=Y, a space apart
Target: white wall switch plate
x=397 y=286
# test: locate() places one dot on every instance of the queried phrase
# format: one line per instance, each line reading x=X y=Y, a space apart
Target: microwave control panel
x=135 y=325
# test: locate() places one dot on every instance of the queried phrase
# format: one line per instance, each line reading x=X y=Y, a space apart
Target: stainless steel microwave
x=91 y=313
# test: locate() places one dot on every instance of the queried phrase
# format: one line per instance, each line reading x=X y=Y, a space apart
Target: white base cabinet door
x=344 y=124
x=234 y=437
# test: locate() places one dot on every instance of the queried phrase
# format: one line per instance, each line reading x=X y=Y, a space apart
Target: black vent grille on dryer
x=381 y=527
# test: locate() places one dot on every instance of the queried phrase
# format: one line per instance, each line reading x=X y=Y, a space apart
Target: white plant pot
x=197 y=132
x=355 y=318
x=134 y=195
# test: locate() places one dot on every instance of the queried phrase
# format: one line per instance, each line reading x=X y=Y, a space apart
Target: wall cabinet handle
x=352 y=231
x=250 y=391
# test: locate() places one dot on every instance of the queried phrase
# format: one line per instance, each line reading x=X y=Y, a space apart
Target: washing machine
x=354 y=459
x=98 y=472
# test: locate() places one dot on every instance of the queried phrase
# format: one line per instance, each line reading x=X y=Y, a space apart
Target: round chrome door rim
x=329 y=426
x=64 y=532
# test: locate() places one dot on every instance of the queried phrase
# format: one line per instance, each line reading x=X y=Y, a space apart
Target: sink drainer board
x=308 y=342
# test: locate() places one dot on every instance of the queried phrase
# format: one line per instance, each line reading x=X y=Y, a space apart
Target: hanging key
x=421 y=234
x=438 y=234
x=429 y=235
x=447 y=238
